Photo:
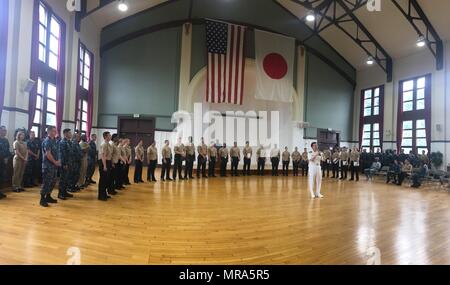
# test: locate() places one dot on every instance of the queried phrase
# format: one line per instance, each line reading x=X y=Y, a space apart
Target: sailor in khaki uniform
x=128 y=160
x=354 y=164
x=344 y=163
x=166 y=161
x=335 y=162
x=122 y=164
x=202 y=150
x=104 y=167
x=261 y=157
x=223 y=153
x=315 y=171
x=212 y=157
x=235 y=154
x=247 y=152
x=326 y=162
x=180 y=155
x=190 y=157
x=275 y=160
x=286 y=159
x=304 y=163
x=296 y=158
x=152 y=160
x=115 y=165
x=138 y=160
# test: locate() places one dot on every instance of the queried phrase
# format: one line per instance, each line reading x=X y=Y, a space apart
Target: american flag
x=226 y=62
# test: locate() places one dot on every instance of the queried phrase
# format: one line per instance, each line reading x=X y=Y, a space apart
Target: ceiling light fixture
x=421 y=41
x=123 y=7
x=310 y=17
x=370 y=60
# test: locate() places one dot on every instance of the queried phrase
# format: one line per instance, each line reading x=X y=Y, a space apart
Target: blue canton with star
x=216 y=37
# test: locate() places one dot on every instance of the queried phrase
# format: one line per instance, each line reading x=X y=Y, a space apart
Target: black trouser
x=417 y=180
x=261 y=164
x=326 y=168
x=165 y=169
x=275 y=162
x=30 y=173
x=247 y=162
x=116 y=178
x=211 y=166
x=335 y=167
x=354 y=170
x=126 y=173
x=138 y=171
x=90 y=169
x=304 y=166
x=392 y=175
x=234 y=166
x=223 y=166
x=295 y=165
x=178 y=166
x=285 y=168
x=151 y=170
x=104 y=183
x=344 y=170
x=201 y=166
x=401 y=177
x=189 y=166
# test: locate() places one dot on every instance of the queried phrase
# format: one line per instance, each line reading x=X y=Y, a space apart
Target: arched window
x=371 y=118
x=414 y=115
x=47 y=69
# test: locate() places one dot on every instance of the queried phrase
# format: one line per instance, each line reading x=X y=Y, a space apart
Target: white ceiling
x=109 y=14
x=389 y=27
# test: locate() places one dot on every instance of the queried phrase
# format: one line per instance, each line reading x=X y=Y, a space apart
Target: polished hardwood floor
x=234 y=220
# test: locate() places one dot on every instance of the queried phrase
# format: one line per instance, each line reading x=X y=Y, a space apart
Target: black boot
x=43 y=201
x=61 y=196
x=2 y=195
x=50 y=200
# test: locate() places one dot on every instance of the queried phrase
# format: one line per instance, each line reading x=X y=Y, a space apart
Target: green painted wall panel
x=141 y=77
x=329 y=99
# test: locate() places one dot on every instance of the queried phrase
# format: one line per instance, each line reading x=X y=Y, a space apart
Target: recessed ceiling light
x=310 y=17
x=421 y=41
x=123 y=7
x=370 y=60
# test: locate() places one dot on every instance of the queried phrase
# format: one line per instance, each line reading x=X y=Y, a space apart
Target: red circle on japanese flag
x=275 y=66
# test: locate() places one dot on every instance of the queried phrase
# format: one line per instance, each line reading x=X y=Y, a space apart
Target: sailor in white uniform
x=315 y=171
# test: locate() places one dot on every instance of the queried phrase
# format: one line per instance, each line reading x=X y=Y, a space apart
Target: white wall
x=421 y=63
x=19 y=61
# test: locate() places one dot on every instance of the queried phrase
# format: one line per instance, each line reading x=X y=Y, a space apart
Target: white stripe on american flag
x=241 y=67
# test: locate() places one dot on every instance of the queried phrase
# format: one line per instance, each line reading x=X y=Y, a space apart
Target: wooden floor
x=244 y=220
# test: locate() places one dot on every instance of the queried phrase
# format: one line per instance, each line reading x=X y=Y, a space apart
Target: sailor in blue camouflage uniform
x=92 y=159
x=33 y=159
x=5 y=154
x=50 y=165
x=65 y=156
x=77 y=155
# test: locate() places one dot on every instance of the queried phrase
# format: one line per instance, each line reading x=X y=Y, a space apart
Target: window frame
x=46 y=73
x=373 y=118
x=83 y=93
x=415 y=114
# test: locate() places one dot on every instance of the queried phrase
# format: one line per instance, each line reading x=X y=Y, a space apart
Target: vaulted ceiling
x=389 y=27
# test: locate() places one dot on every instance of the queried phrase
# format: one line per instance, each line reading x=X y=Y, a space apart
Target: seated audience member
x=374 y=168
x=394 y=171
x=405 y=172
x=419 y=176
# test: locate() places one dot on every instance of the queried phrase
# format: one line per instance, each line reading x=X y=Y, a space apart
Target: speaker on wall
x=28 y=85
